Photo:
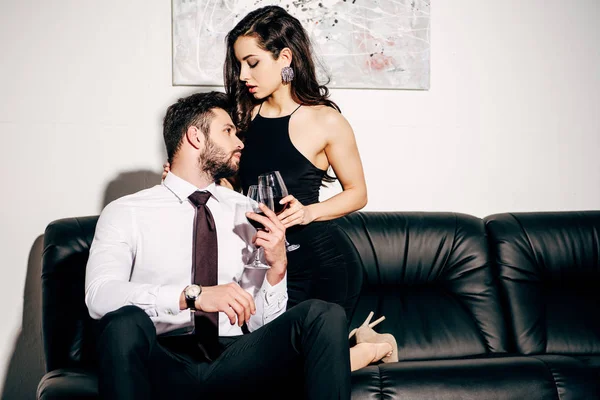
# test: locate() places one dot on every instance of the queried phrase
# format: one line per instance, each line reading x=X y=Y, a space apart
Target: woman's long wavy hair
x=274 y=30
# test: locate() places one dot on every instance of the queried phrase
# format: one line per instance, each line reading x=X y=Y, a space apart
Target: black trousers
x=301 y=354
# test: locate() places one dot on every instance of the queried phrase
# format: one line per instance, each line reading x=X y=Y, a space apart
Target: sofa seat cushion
x=68 y=383
x=509 y=377
x=592 y=362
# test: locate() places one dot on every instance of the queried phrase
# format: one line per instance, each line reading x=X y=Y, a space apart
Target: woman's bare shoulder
x=325 y=116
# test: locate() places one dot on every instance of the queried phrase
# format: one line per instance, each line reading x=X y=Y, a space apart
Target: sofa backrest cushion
x=549 y=269
x=429 y=274
x=66 y=325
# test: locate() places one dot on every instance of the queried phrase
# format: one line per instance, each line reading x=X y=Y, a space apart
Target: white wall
x=511 y=123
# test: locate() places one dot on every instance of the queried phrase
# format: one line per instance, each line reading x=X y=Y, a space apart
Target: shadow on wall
x=130 y=182
x=26 y=366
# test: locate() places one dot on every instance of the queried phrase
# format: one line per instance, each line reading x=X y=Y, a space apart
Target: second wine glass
x=274 y=180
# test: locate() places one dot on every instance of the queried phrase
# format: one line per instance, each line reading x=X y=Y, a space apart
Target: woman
x=290 y=125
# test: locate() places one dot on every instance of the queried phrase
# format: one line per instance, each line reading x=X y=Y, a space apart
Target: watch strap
x=191 y=303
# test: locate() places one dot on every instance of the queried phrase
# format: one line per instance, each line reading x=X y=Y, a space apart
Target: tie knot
x=199 y=198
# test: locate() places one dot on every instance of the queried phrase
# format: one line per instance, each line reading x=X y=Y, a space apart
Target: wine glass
x=274 y=180
x=255 y=196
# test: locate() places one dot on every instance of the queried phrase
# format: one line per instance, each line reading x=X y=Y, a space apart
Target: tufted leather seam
x=380 y=382
x=501 y=293
x=551 y=374
x=405 y=253
x=526 y=236
x=545 y=339
x=476 y=322
x=453 y=243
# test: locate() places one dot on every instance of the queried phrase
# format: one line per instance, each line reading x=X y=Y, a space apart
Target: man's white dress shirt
x=142 y=256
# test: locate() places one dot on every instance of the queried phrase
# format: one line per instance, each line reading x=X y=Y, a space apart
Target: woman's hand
x=295 y=213
x=166 y=169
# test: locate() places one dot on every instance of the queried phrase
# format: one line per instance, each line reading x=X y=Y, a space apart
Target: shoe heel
x=366 y=334
x=367 y=323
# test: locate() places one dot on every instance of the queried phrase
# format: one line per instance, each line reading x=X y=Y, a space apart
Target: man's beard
x=216 y=163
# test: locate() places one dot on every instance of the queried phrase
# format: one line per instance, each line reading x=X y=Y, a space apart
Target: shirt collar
x=182 y=188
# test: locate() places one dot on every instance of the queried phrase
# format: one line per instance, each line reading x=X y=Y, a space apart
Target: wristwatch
x=191 y=293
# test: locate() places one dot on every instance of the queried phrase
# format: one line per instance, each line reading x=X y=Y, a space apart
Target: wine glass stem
x=257 y=258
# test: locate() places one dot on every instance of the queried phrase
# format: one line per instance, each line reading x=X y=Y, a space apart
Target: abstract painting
x=371 y=44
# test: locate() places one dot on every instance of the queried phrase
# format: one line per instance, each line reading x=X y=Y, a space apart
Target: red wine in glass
x=257 y=195
x=278 y=208
x=257 y=225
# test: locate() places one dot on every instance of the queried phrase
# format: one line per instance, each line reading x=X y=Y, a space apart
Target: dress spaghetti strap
x=260 y=108
x=292 y=111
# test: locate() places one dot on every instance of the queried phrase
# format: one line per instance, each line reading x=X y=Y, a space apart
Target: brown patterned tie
x=205 y=269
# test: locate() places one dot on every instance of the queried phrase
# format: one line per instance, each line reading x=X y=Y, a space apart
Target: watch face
x=192 y=291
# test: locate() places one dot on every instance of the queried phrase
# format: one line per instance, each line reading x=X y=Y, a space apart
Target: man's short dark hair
x=194 y=110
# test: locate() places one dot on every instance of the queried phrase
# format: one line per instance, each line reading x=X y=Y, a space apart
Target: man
x=166 y=279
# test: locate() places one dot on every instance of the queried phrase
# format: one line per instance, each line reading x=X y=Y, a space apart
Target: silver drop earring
x=287 y=74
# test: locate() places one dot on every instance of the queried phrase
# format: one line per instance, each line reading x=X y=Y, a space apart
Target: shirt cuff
x=167 y=299
x=273 y=293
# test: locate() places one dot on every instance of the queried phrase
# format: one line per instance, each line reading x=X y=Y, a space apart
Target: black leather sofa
x=504 y=307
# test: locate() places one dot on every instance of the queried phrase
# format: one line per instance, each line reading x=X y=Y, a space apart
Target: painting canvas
x=379 y=44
